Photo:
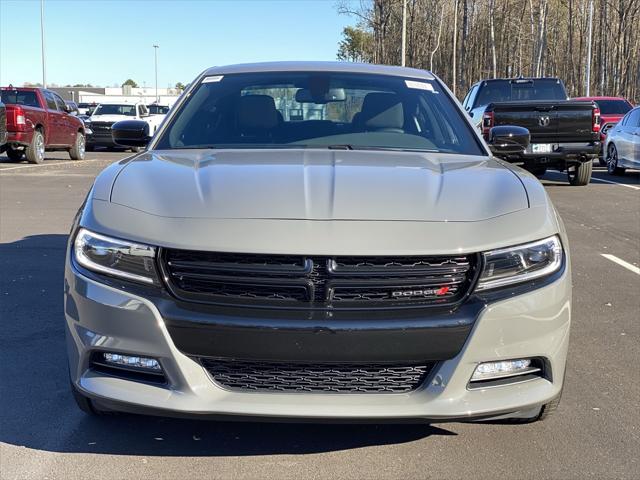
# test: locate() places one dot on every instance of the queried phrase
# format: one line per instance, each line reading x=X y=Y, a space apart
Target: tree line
x=463 y=41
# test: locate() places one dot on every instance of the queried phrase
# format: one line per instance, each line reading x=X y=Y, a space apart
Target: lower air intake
x=314 y=377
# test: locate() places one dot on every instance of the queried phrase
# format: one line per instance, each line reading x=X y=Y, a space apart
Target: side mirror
x=506 y=140
x=131 y=133
x=68 y=108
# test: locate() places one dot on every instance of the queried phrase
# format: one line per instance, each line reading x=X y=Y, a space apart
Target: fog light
x=131 y=361
x=505 y=368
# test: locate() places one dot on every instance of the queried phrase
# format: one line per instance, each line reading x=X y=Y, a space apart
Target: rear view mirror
x=304 y=95
x=131 y=133
x=506 y=140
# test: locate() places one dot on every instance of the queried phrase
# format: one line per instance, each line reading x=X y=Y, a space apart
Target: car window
x=19 y=97
x=520 y=90
x=113 y=109
x=633 y=118
x=320 y=109
x=50 y=99
x=468 y=101
x=613 y=107
x=59 y=102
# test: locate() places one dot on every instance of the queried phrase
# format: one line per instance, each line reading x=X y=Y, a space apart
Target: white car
x=622 y=145
x=106 y=114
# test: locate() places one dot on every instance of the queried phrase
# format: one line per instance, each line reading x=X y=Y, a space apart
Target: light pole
x=588 y=75
x=404 y=31
x=155 y=55
x=44 y=68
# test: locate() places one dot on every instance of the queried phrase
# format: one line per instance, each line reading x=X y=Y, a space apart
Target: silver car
x=622 y=145
x=323 y=241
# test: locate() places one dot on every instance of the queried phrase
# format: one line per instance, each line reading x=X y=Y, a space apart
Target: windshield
x=158 y=109
x=520 y=90
x=613 y=107
x=129 y=110
x=19 y=97
x=320 y=110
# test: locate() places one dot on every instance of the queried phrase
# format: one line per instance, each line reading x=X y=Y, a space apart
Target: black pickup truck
x=565 y=134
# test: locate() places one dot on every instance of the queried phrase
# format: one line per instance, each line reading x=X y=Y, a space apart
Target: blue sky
x=104 y=42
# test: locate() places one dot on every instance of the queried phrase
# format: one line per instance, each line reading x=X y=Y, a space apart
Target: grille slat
x=316 y=281
x=316 y=377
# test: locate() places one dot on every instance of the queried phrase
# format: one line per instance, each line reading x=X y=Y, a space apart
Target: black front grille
x=317 y=282
x=315 y=377
x=101 y=128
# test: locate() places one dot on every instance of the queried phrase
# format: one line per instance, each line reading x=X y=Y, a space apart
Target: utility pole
x=588 y=75
x=404 y=31
x=44 y=68
x=155 y=55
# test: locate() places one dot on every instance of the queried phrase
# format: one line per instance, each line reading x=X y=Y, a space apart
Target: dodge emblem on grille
x=544 y=121
x=425 y=292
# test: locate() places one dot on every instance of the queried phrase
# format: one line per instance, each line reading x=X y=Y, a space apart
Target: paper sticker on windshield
x=211 y=79
x=419 y=85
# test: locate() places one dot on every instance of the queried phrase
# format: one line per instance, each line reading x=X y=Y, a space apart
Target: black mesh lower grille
x=315 y=377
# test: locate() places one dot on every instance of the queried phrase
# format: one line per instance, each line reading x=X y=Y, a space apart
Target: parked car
x=39 y=120
x=106 y=114
x=3 y=126
x=155 y=109
x=612 y=109
x=73 y=108
x=85 y=108
x=564 y=134
x=376 y=264
x=623 y=144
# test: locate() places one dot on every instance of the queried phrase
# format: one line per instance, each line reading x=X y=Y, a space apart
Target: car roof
x=347 y=67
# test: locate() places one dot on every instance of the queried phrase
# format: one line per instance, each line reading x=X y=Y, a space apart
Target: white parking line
x=622 y=263
x=50 y=164
x=615 y=183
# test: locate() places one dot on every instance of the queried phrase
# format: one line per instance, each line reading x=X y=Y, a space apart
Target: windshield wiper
x=343 y=146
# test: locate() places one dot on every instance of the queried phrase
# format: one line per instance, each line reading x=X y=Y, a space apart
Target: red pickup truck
x=39 y=120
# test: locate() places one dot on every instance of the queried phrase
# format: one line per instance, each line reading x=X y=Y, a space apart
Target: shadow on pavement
x=37 y=410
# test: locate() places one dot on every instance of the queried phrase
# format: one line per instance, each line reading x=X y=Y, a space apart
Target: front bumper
x=101 y=317
x=97 y=140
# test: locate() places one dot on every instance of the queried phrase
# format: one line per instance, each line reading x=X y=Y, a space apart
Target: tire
x=35 y=151
x=579 y=174
x=83 y=402
x=78 y=149
x=545 y=412
x=14 y=155
x=602 y=161
x=612 y=161
x=89 y=148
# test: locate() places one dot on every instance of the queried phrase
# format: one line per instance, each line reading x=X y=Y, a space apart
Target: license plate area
x=541 y=148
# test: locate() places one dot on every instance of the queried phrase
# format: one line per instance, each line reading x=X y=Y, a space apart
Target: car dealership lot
x=595 y=433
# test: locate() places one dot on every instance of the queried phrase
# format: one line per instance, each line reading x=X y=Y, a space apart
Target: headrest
x=381 y=111
x=257 y=112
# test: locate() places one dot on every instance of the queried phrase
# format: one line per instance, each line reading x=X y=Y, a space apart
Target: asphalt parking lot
x=594 y=434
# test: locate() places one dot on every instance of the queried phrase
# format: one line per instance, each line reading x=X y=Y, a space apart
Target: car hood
x=318 y=185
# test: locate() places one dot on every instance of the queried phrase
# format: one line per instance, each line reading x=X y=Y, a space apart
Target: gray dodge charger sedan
x=319 y=241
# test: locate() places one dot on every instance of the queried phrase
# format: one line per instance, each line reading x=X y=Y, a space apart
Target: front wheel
x=35 y=151
x=78 y=149
x=580 y=173
x=612 y=161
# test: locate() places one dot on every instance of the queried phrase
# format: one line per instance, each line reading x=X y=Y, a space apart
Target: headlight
x=115 y=257
x=518 y=264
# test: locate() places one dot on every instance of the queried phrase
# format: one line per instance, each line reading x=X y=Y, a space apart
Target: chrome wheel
x=40 y=147
x=612 y=159
x=81 y=145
